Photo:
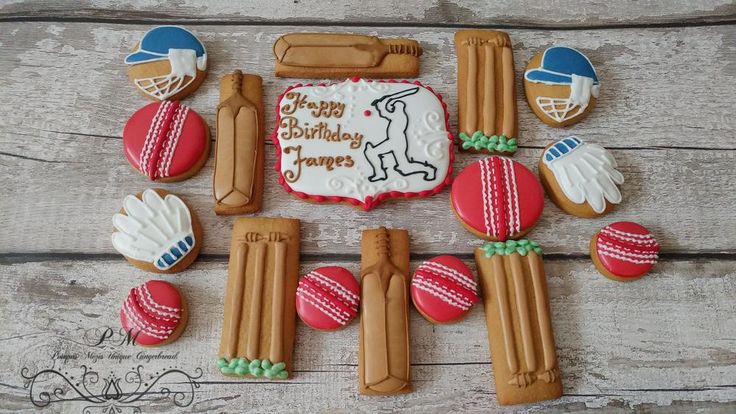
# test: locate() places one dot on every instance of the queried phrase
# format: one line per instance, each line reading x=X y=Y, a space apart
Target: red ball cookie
x=154 y=313
x=497 y=198
x=624 y=251
x=166 y=141
x=443 y=289
x=327 y=298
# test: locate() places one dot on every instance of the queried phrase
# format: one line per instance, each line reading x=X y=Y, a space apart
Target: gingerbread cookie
x=497 y=198
x=561 y=86
x=624 y=251
x=327 y=298
x=520 y=332
x=443 y=289
x=238 y=179
x=580 y=178
x=168 y=63
x=156 y=231
x=260 y=316
x=361 y=142
x=342 y=55
x=166 y=141
x=486 y=91
x=154 y=313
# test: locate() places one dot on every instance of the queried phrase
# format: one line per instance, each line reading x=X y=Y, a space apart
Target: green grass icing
x=523 y=247
x=256 y=367
x=494 y=143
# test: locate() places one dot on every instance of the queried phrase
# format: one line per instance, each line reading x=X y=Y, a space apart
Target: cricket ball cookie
x=154 y=313
x=580 y=178
x=166 y=141
x=156 y=231
x=443 y=289
x=327 y=298
x=561 y=86
x=361 y=142
x=624 y=251
x=168 y=63
x=497 y=198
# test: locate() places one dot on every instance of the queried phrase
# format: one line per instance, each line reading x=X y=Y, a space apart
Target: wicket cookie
x=342 y=55
x=497 y=198
x=166 y=141
x=383 y=353
x=168 y=63
x=443 y=289
x=156 y=231
x=624 y=251
x=154 y=313
x=486 y=91
x=580 y=178
x=516 y=302
x=361 y=142
x=327 y=298
x=260 y=316
x=561 y=86
x=238 y=180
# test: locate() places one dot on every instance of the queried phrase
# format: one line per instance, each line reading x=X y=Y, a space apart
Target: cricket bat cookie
x=260 y=315
x=519 y=325
x=383 y=354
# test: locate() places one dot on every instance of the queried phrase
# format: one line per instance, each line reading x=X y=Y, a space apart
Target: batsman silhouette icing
x=361 y=141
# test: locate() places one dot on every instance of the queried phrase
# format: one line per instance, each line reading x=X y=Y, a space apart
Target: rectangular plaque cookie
x=238 y=179
x=486 y=90
x=343 y=55
x=362 y=141
x=260 y=313
x=383 y=353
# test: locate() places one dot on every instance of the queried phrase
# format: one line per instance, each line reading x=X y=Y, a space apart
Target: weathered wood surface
x=663 y=344
x=519 y=13
x=66 y=100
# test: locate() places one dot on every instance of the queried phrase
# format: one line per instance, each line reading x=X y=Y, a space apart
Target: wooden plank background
x=668 y=69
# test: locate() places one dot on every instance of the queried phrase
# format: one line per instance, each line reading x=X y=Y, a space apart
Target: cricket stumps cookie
x=361 y=142
x=580 y=178
x=156 y=231
x=443 y=289
x=327 y=298
x=166 y=141
x=169 y=63
x=624 y=251
x=561 y=86
x=154 y=313
x=497 y=198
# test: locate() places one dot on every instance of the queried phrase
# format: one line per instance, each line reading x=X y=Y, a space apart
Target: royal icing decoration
x=154 y=229
x=443 y=289
x=151 y=312
x=568 y=67
x=585 y=172
x=497 y=197
x=627 y=249
x=181 y=48
x=362 y=141
x=327 y=298
x=164 y=139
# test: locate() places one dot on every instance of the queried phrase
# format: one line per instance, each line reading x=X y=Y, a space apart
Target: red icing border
x=370 y=202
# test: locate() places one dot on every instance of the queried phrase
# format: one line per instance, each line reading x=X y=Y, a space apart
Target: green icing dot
x=282 y=375
x=494 y=143
x=523 y=247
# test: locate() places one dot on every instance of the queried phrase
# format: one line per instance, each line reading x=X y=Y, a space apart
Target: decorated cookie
x=327 y=298
x=362 y=141
x=166 y=141
x=561 y=86
x=497 y=198
x=624 y=251
x=443 y=289
x=580 y=178
x=168 y=63
x=156 y=231
x=154 y=313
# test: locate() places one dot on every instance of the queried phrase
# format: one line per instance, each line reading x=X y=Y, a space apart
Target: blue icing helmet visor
x=156 y=43
x=559 y=63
